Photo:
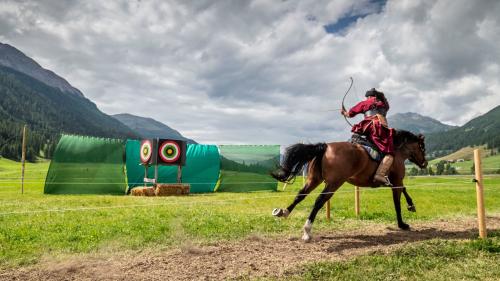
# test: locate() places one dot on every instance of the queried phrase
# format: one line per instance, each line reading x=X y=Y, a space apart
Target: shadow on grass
x=396 y=236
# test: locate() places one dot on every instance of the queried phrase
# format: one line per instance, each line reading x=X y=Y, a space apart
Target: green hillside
x=466 y=153
x=490 y=163
x=483 y=130
x=48 y=113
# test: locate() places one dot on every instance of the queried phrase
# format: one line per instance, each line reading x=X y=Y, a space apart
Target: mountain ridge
x=47 y=110
x=417 y=123
x=147 y=127
x=482 y=130
x=13 y=58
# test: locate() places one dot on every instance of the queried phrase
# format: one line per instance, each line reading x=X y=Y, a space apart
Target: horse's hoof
x=281 y=213
x=404 y=226
x=412 y=208
x=306 y=238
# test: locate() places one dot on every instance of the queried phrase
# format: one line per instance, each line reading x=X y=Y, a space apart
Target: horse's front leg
x=396 y=196
x=325 y=195
x=409 y=201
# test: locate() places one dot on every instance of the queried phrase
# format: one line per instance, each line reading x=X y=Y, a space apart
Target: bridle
x=421 y=146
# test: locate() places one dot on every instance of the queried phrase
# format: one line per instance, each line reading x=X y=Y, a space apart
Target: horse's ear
x=422 y=137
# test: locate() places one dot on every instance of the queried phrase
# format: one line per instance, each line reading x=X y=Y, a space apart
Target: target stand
x=154 y=152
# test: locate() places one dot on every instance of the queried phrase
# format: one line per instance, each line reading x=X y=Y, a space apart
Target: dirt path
x=252 y=257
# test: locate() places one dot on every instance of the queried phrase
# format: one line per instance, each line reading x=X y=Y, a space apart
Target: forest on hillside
x=47 y=112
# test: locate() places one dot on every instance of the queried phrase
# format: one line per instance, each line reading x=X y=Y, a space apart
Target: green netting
x=201 y=169
x=246 y=167
x=87 y=165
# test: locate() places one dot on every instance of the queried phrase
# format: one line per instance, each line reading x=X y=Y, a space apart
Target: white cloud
x=264 y=71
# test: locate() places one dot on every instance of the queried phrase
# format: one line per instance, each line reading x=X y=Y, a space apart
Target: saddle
x=370 y=148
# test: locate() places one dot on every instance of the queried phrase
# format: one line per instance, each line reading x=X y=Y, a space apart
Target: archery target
x=170 y=152
x=146 y=151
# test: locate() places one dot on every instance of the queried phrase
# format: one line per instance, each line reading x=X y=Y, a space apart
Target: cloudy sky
x=265 y=72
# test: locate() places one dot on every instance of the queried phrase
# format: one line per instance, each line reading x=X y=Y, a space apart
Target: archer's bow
x=343 y=99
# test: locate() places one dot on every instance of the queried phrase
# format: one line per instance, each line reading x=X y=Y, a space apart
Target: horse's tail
x=296 y=156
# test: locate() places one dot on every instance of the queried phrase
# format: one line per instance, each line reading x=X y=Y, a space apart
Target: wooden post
x=356 y=201
x=479 y=194
x=156 y=174
x=328 y=210
x=179 y=174
x=23 y=159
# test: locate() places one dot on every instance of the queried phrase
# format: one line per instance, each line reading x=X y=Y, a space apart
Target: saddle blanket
x=375 y=155
x=368 y=146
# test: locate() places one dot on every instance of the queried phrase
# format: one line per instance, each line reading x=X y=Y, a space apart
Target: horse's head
x=417 y=152
x=415 y=146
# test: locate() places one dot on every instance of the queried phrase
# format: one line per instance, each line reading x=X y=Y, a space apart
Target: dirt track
x=252 y=257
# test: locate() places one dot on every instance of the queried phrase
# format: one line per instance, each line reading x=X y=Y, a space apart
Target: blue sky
x=340 y=25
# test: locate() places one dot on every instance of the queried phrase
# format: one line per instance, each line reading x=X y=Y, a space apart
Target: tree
x=440 y=167
x=413 y=171
x=431 y=172
x=422 y=172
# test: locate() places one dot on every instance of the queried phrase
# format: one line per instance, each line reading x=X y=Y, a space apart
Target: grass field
x=34 y=226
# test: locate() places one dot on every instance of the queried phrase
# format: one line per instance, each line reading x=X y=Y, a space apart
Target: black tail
x=296 y=156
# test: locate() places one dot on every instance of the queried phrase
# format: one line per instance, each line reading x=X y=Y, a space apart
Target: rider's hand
x=343 y=112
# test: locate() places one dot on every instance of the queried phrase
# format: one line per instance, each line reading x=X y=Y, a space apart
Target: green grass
x=34 y=225
x=430 y=260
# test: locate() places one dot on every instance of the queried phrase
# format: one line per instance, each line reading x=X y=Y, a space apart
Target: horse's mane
x=401 y=137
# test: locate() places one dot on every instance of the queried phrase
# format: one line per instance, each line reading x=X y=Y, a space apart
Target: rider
x=375 y=127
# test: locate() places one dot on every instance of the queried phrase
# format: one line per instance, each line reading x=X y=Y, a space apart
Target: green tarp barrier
x=246 y=167
x=201 y=169
x=87 y=165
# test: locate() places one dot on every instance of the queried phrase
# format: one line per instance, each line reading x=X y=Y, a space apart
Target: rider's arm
x=361 y=107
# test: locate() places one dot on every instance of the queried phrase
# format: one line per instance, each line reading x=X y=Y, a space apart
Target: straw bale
x=149 y=191
x=137 y=191
x=170 y=189
x=143 y=191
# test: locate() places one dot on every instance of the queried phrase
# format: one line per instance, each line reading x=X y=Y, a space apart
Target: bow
x=343 y=99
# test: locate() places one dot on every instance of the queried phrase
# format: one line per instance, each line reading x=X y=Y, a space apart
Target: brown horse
x=340 y=162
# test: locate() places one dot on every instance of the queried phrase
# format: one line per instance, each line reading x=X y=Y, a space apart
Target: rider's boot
x=383 y=169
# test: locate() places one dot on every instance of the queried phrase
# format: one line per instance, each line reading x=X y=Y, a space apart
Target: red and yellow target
x=170 y=151
x=146 y=151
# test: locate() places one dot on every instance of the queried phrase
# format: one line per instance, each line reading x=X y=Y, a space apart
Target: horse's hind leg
x=325 y=195
x=409 y=201
x=311 y=183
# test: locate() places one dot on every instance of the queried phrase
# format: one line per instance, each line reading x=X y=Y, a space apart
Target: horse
x=339 y=162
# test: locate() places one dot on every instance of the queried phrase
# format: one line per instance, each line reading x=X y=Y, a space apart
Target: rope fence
x=478 y=180
x=192 y=203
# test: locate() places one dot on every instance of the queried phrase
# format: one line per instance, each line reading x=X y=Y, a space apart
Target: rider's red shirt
x=371 y=126
x=364 y=106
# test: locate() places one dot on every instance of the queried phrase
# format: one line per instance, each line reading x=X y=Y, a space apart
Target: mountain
x=13 y=58
x=48 y=109
x=482 y=130
x=150 y=128
x=417 y=123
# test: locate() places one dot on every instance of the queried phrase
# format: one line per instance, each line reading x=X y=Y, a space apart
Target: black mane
x=401 y=137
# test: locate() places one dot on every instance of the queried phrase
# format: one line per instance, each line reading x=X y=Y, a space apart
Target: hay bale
x=149 y=191
x=164 y=189
x=143 y=191
x=137 y=191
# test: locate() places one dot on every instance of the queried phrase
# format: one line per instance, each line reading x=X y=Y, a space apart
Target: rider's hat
x=371 y=93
